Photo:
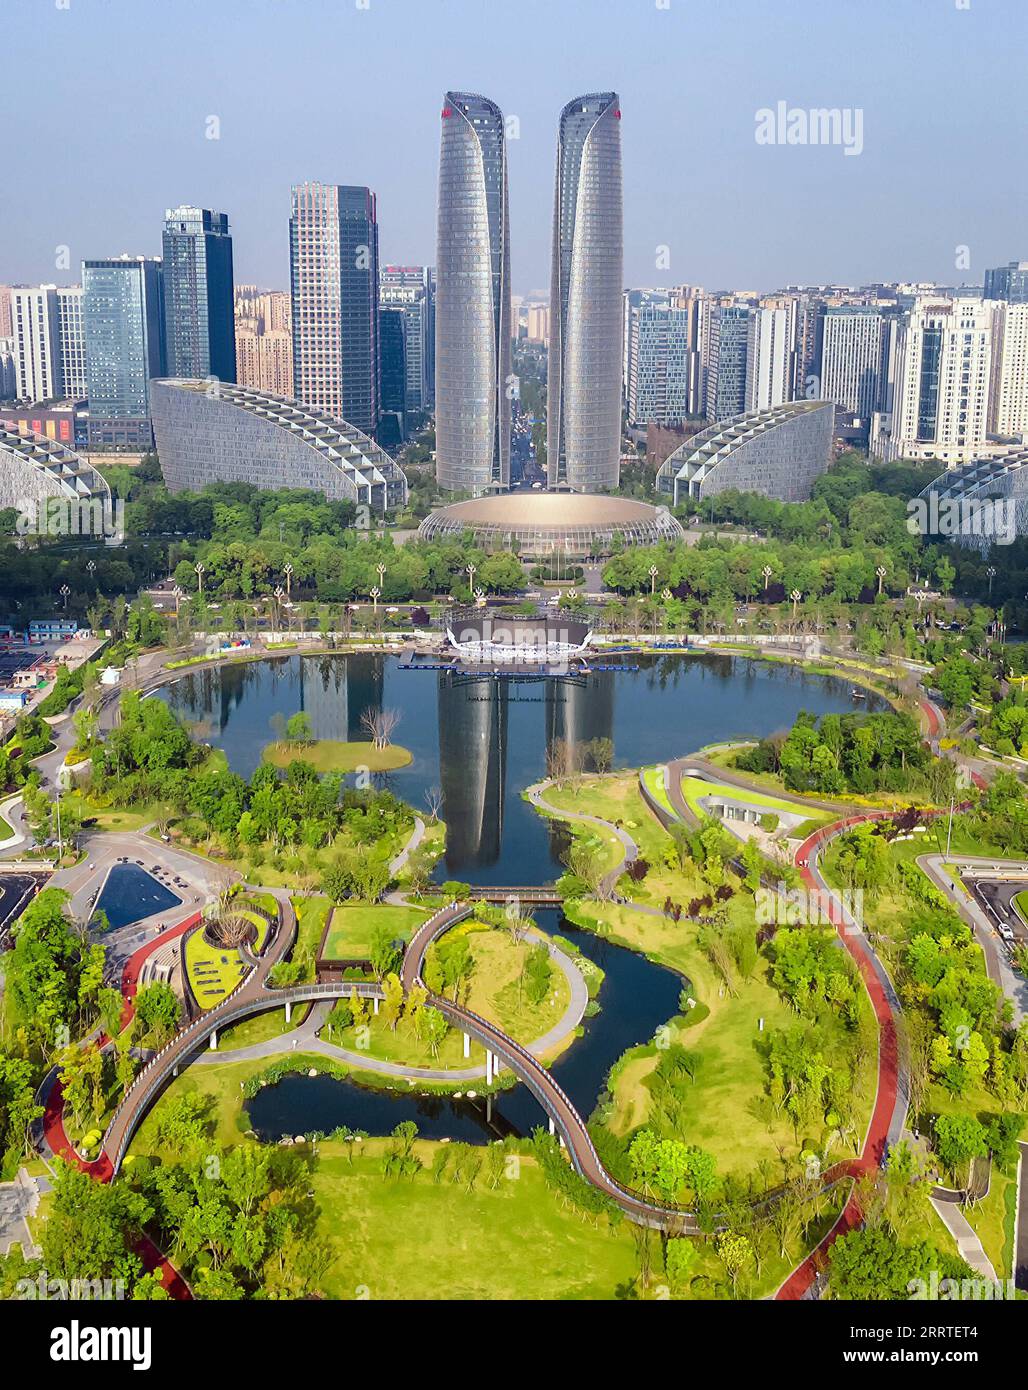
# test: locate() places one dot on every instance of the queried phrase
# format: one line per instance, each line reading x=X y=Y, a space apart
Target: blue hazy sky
x=107 y=102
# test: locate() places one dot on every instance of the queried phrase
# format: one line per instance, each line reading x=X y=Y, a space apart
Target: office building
x=123 y=318
x=392 y=418
x=854 y=342
x=583 y=436
x=1009 y=282
x=473 y=328
x=410 y=288
x=770 y=367
x=199 y=314
x=333 y=258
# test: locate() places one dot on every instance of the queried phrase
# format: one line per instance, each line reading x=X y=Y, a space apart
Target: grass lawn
x=421 y=1239
x=351 y=927
x=732 y=1074
x=6 y=829
x=694 y=789
x=493 y=993
x=311 y=915
x=331 y=755
x=212 y=971
x=1021 y=903
x=259 y=1028
x=653 y=779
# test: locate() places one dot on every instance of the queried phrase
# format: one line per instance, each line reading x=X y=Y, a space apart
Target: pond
x=481 y=742
x=129 y=894
x=636 y=997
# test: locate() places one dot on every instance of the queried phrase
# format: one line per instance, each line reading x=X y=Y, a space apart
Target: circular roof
x=581 y=522
x=544 y=510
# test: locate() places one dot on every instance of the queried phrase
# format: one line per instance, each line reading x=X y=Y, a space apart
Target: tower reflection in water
x=473 y=717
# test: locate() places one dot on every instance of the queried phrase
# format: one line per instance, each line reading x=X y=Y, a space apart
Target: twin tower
x=474 y=381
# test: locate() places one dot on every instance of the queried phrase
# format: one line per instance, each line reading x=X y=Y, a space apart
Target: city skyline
x=697 y=153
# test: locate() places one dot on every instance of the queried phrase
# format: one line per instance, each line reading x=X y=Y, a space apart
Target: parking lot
x=995 y=896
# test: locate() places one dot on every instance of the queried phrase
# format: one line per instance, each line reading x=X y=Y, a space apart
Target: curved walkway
x=305 y=1038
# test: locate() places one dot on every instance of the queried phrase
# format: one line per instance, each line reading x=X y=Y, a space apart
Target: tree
x=735 y=1251
x=299 y=728
x=383 y=953
x=958 y=1140
x=380 y=724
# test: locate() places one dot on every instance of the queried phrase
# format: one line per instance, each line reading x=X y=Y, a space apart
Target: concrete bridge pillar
x=488 y=1067
x=214 y=1040
x=467 y=1045
x=376 y=1005
x=289 y=1011
x=489 y=1109
x=551 y=1124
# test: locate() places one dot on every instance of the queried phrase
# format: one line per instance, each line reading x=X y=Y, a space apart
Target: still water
x=482 y=741
x=635 y=999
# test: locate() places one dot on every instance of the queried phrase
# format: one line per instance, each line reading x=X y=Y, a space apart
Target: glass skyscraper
x=583 y=437
x=199 y=302
x=473 y=325
x=123 y=320
x=1009 y=282
x=333 y=260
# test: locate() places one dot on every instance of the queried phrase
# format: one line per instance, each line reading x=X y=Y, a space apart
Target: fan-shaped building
x=778 y=452
x=209 y=433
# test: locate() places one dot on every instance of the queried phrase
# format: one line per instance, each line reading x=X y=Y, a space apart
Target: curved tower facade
x=472 y=323
x=583 y=434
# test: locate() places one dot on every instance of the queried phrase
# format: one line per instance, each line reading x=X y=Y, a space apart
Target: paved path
x=18 y=1201
x=629 y=847
x=305 y=1038
x=417 y=835
x=969 y=1246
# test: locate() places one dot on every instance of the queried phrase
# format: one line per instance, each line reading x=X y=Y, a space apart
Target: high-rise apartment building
x=854 y=339
x=939 y=375
x=770 y=365
x=661 y=368
x=333 y=259
x=37 y=343
x=1008 y=396
x=473 y=379
x=6 y=321
x=264 y=340
x=48 y=342
x=725 y=371
x=123 y=318
x=583 y=433
x=1009 y=282
x=199 y=314
x=409 y=288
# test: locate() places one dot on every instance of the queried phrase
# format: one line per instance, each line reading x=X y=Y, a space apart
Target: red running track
x=100 y=1168
x=799 y=1282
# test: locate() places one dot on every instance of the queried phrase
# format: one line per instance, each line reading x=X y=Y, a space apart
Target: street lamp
x=480 y=598
x=654 y=571
x=91 y=568
x=287 y=570
x=179 y=595
x=280 y=594
x=200 y=567
x=795 y=596
x=64 y=591
x=471 y=575
x=380 y=570
x=991 y=572
x=766 y=572
x=881 y=573
x=374 y=592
